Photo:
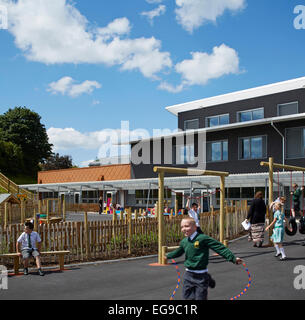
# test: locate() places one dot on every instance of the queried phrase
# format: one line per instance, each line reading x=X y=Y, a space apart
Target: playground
x=122 y=255
x=137 y=280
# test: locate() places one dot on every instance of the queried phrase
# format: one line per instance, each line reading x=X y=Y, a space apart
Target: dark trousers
x=195 y=286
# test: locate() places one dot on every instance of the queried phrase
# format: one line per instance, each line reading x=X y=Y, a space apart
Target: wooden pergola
x=8 y=200
x=195 y=172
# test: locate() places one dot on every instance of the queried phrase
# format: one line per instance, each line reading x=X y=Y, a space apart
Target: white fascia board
x=269 y=89
x=234 y=125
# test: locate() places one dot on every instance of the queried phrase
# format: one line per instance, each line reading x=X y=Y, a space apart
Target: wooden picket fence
x=99 y=240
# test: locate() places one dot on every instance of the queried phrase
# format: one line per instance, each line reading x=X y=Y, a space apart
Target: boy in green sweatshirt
x=196 y=248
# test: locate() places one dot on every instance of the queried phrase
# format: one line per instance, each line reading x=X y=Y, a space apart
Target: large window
x=191 y=124
x=142 y=196
x=252 y=148
x=186 y=155
x=288 y=108
x=217 y=151
x=250 y=115
x=295 y=143
x=217 y=120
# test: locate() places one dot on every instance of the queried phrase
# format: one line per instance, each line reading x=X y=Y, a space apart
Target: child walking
x=196 y=248
x=194 y=213
x=278 y=231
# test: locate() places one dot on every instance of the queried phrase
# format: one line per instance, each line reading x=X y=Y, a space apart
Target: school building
x=232 y=132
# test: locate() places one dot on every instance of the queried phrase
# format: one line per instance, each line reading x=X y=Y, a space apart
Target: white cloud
x=192 y=14
x=54 y=31
x=67 y=86
x=170 y=88
x=154 y=13
x=204 y=67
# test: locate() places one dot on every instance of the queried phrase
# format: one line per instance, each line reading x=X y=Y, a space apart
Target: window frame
x=185 y=121
x=217 y=116
x=303 y=138
x=264 y=152
x=281 y=104
x=250 y=110
x=217 y=141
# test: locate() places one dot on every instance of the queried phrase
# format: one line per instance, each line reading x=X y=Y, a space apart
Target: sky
x=94 y=68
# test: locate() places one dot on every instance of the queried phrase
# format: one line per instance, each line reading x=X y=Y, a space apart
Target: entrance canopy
x=175 y=183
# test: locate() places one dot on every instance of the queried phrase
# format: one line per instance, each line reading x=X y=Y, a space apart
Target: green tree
x=23 y=128
x=11 y=158
x=57 y=162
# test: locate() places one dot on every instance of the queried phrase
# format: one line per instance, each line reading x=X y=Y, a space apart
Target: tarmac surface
x=272 y=279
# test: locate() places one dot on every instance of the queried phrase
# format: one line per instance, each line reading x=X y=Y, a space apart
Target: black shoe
x=254 y=245
x=25 y=271
x=283 y=258
x=40 y=272
x=212 y=282
x=277 y=255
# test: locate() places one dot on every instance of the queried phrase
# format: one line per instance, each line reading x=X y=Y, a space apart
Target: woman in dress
x=257 y=216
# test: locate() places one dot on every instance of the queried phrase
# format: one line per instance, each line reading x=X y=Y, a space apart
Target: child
x=278 y=231
x=194 y=213
x=26 y=247
x=196 y=248
x=296 y=194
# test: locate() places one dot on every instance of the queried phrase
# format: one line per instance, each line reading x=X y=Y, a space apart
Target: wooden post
x=5 y=215
x=222 y=206
x=48 y=216
x=270 y=216
x=172 y=214
x=39 y=206
x=122 y=215
x=161 y=216
x=176 y=208
x=164 y=251
x=86 y=236
x=129 y=219
x=10 y=212
x=64 y=209
x=61 y=261
x=114 y=217
x=16 y=265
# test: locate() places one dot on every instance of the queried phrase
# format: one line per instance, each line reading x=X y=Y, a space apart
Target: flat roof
x=298 y=83
x=175 y=183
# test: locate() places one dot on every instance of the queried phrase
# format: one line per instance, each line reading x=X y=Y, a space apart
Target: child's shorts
x=195 y=286
x=27 y=253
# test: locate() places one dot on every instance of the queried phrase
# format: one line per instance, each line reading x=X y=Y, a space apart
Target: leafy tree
x=11 y=158
x=23 y=128
x=57 y=162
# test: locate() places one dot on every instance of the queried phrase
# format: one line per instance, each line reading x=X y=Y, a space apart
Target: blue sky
x=85 y=66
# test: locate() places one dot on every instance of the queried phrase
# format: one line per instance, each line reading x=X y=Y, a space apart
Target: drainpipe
x=283 y=139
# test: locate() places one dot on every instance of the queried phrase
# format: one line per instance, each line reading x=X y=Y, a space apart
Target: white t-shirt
x=24 y=240
x=193 y=214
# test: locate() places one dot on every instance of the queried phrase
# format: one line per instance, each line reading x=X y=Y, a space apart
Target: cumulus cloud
x=203 y=67
x=192 y=14
x=151 y=15
x=67 y=86
x=54 y=31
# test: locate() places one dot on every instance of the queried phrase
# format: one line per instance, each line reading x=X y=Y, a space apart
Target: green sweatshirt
x=197 y=251
x=296 y=195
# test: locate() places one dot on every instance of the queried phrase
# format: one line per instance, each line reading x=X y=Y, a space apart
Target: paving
x=272 y=279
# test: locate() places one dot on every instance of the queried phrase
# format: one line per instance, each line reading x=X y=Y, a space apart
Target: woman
x=256 y=216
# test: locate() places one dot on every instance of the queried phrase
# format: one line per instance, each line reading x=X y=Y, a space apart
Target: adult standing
x=101 y=205
x=257 y=217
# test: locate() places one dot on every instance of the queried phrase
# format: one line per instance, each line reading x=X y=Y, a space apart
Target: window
x=288 y=108
x=217 y=151
x=295 y=143
x=186 y=155
x=191 y=124
x=217 y=120
x=252 y=148
x=250 y=115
